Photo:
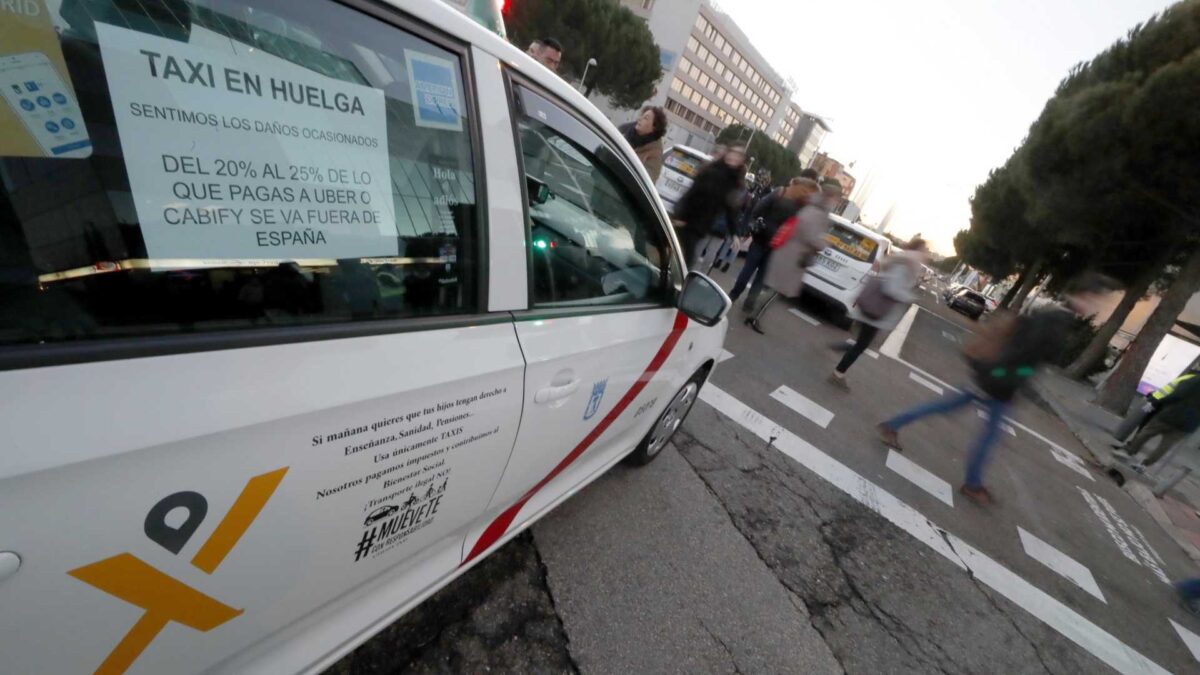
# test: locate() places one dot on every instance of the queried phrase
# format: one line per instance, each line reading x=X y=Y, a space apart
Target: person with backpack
x=1003 y=356
x=883 y=301
x=768 y=215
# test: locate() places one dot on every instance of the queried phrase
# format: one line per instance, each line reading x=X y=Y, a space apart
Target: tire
x=668 y=422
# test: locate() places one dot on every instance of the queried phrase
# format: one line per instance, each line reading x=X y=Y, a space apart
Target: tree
x=624 y=49
x=782 y=163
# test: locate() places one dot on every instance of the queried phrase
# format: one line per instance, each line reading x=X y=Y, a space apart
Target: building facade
x=806 y=141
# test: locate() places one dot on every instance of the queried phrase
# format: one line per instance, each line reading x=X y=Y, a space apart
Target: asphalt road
x=779 y=535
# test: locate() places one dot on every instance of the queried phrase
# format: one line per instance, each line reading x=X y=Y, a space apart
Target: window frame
x=639 y=192
x=22 y=356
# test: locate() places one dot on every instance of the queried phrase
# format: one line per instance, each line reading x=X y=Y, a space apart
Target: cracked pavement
x=727 y=556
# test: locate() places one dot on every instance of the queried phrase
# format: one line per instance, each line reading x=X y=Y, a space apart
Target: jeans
x=866 y=333
x=756 y=265
x=983 y=445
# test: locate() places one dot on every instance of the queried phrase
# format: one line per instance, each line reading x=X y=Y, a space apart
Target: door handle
x=556 y=392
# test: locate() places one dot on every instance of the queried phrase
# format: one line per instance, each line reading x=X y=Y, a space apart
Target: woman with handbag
x=883 y=301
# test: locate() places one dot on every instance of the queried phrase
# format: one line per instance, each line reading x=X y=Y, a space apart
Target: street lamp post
x=583 y=80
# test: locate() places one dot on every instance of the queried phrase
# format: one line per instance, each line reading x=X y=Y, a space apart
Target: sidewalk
x=1177 y=512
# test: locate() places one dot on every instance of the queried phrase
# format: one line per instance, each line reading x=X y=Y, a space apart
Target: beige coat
x=651 y=155
x=785 y=269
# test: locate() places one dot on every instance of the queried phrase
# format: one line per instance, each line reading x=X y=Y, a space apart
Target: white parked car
x=324 y=305
x=841 y=271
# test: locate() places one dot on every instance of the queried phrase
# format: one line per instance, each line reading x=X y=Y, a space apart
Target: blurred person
x=1176 y=417
x=768 y=217
x=795 y=247
x=713 y=193
x=811 y=174
x=1003 y=356
x=1189 y=594
x=645 y=137
x=547 y=51
x=882 y=303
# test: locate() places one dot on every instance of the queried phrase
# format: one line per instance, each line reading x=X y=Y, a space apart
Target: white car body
x=677 y=176
x=285 y=441
x=840 y=274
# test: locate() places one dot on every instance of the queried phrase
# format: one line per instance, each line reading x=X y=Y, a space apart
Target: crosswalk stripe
x=1060 y=562
x=1066 y=621
x=803 y=405
x=921 y=477
x=804 y=316
x=1189 y=638
x=725 y=356
x=925 y=383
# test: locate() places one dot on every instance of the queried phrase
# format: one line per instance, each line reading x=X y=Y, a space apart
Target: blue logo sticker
x=433 y=82
x=43 y=101
x=597 y=396
x=59 y=98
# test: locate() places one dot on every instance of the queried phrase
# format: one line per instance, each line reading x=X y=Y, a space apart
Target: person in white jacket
x=898 y=276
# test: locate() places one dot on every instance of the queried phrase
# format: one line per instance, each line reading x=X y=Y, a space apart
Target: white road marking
x=1003 y=426
x=725 y=356
x=926 y=383
x=1189 y=638
x=950 y=336
x=921 y=477
x=870 y=352
x=1071 y=462
x=1053 y=613
x=804 y=316
x=895 y=339
x=1122 y=534
x=1060 y=562
x=803 y=405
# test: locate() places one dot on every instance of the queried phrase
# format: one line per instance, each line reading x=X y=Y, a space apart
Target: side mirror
x=703 y=301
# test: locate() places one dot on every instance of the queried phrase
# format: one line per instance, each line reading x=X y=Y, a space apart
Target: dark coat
x=1036 y=339
x=714 y=192
x=774 y=209
x=1181 y=408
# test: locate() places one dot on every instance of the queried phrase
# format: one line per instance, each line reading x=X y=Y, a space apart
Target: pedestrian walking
x=714 y=193
x=1176 y=417
x=882 y=303
x=1003 y=356
x=771 y=212
x=547 y=51
x=645 y=137
x=795 y=247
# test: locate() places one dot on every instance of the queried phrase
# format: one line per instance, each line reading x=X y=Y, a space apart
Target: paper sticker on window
x=434 y=85
x=237 y=157
x=40 y=116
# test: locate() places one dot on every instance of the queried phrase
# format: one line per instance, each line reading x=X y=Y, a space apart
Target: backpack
x=873 y=302
x=993 y=336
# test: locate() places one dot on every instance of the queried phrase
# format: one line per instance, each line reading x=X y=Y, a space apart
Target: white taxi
x=322 y=303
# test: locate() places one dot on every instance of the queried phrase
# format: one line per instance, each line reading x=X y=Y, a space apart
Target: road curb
x=1101 y=457
x=1146 y=499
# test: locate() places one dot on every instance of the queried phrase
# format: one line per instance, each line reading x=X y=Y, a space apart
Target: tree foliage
x=627 y=57
x=1108 y=178
x=781 y=162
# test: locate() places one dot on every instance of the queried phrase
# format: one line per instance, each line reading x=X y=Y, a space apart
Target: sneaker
x=724 y=267
x=978 y=495
x=838 y=381
x=889 y=437
x=1138 y=467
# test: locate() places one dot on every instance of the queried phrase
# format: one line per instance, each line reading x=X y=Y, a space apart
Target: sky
x=926 y=96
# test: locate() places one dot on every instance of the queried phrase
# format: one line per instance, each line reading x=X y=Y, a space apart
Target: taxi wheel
x=668 y=423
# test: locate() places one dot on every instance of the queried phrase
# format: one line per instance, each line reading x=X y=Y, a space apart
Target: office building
x=712 y=75
x=806 y=141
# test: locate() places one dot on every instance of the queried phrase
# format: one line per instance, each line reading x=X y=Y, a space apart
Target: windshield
x=858 y=246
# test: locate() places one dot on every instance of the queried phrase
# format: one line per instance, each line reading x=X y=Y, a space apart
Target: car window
x=218 y=165
x=593 y=240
